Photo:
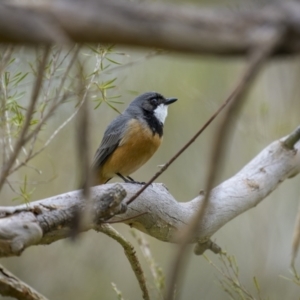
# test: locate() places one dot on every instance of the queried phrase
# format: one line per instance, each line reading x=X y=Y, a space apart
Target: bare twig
x=54 y=60
x=6 y=57
x=83 y=157
x=12 y=286
x=257 y=58
x=22 y=140
x=31 y=155
x=37 y=128
x=296 y=239
x=82 y=136
x=56 y=104
x=67 y=71
x=126 y=219
x=156 y=271
x=131 y=256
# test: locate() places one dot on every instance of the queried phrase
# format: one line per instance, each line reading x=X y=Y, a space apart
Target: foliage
x=59 y=87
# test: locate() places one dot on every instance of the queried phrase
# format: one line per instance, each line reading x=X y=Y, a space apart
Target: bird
x=131 y=138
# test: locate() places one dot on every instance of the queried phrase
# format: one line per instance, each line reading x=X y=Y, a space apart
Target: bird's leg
x=129 y=179
x=124 y=178
x=133 y=181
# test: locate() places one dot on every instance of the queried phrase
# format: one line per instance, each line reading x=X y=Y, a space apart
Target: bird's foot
x=131 y=180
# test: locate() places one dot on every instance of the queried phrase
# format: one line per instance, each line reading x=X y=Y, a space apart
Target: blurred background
x=260 y=239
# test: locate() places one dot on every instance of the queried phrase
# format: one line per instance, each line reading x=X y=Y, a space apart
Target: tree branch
x=166 y=26
x=12 y=286
x=48 y=220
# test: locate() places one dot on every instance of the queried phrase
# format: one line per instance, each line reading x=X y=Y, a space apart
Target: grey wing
x=112 y=137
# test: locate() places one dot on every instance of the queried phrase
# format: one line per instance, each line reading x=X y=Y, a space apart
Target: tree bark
x=165 y=26
x=155 y=211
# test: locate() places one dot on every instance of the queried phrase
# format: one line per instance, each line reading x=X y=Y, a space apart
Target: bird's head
x=153 y=103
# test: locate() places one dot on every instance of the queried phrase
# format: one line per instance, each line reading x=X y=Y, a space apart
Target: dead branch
x=12 y=286
x=166 y=26
x=48 y=220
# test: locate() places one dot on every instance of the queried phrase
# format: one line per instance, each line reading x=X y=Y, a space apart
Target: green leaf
x=99 y=100
x=21 y=78
x=6 y=78
x=113 y=61
x=108 y=84
x=111 y=106
x=25 y=194
x=95 y=50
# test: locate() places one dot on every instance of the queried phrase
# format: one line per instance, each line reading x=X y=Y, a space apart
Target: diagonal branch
x=257 y=60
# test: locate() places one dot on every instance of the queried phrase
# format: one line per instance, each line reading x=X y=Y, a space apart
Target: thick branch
x=159 y=214
x=166 y=26
x=48 y=220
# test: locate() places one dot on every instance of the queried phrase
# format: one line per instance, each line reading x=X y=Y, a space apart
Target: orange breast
x=134 y=150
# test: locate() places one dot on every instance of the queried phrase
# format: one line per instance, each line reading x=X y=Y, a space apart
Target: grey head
x=150 y=104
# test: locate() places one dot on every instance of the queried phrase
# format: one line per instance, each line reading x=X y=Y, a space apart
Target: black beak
x=170 y=101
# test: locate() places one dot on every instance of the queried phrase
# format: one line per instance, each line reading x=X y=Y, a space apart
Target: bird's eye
x=154 y=101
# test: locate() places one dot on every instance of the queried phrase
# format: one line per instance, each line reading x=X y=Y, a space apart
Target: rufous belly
x=135 y=149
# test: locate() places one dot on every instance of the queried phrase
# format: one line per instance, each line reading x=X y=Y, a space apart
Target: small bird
x=131 y=138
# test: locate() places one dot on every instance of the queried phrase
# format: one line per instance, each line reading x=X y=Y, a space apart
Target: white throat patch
x=161 y=113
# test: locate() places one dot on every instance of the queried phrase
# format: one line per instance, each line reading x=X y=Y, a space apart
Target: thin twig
x=55 y=58
x=83 y=157
x=156 y=271
x=37 y=129
x=127 y=219
x=186 y=146
x=72 y=61
x=130 y=254
x=296 y=239
x=58 y=103
x=149 y=55
x=55 y=105
x=82 y=136
x=6 y=57
x=21 y=140
x=257 y=58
